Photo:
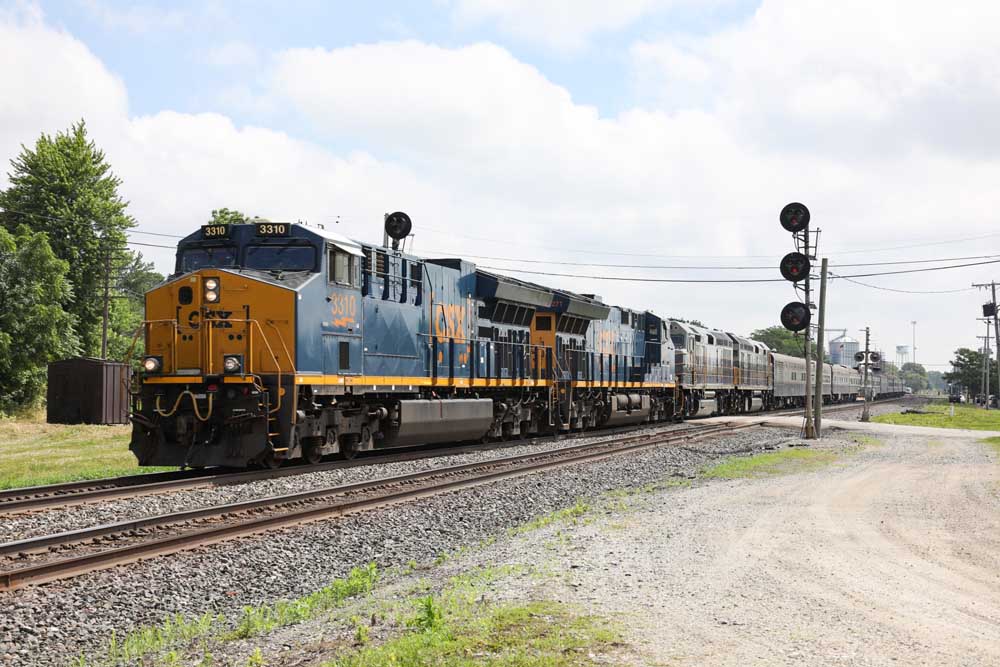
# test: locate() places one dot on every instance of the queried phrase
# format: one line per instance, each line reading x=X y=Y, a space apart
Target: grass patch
x=993 y=442
x=146 y=646
x=939 y=415
x=568 y=514
x=456 y=630
x=33 y=453
x=868 y=441
x=261 y=620
x=770 y=463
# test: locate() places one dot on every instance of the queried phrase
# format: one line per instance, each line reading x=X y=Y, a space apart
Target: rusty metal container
x=84 y=390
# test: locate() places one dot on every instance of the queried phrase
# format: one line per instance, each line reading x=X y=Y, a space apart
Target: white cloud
x=888 y=140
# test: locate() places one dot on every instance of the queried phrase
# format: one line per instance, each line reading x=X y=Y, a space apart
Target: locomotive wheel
x=313 y=454
x=349 y=447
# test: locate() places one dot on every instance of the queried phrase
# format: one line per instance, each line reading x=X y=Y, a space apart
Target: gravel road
x=890 y=556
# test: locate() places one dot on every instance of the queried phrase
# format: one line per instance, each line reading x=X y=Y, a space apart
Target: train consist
x=275 y=341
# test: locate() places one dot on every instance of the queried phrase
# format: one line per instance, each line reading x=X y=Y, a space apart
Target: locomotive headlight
x=211 y=286
x=152 y=364
x=232 y=363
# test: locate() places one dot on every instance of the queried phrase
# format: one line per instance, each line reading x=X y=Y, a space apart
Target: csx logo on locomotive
x=218 y=318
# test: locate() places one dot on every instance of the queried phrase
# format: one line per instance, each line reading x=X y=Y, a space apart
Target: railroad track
x=59 y=556
x=90 y=491
x=53 y=496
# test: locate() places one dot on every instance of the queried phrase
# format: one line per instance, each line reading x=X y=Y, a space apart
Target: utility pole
x=820 y=338
x=107 y=298
x=914 y=341
x=865 y=416
x=990 y=310
x=810 y=426
x=985 y=373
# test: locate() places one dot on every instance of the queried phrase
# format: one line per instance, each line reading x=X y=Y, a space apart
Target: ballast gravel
x=55 y=623
x=46 y=522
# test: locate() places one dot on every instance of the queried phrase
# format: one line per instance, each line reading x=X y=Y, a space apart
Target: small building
x=84 y=390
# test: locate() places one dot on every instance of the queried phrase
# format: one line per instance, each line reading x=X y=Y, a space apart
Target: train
x=275 y=342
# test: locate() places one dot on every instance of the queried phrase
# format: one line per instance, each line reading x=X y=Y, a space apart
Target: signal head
x=876 y=357
x=794 y=267
x=859 y=356
x=398 y=225
x=795 y=316
x=794 y=217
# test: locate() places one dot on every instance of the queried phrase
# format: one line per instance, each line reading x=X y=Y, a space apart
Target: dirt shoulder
x=886 y=556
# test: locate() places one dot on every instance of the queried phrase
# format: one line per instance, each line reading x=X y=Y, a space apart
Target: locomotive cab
x=222 y=342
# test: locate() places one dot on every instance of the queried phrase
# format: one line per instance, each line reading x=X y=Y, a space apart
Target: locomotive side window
x=342 y=268
x=543 y=323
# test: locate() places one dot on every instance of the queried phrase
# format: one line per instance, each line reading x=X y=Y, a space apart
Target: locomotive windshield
x=280 y=257
x=193 y=259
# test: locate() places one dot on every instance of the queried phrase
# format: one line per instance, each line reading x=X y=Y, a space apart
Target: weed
x=993 y=442
x=429 y=616
x=868 y=441
x=532 y=635
x=568 y=514
x=770 y=463
x=361 y=631
x=259 y=620
x=256 y=659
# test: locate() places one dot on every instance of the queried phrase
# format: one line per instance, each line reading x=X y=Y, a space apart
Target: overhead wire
x=732 y=280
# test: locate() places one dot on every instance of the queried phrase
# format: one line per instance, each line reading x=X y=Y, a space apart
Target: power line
x=903 y=291
x=735 y=280
x=152 y=245
x=768 y=267
x=139 y=231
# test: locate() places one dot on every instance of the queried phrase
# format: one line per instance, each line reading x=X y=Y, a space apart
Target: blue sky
x=625 y=133
x=160 y=49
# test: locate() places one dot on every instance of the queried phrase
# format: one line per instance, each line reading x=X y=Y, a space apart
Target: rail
x=134 y=542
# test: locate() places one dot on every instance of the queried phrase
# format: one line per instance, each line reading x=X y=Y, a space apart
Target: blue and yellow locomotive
x=276 y=341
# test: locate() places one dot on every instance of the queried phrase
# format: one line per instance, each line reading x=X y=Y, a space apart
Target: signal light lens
x=794 y=267
x=794 y=217
x=795 y=316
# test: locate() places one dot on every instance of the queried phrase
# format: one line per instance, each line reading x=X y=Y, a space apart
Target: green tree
x=65 y=187
x=34 y=328
x=135 y=279
x=783 y=341
x=967 y=370
x=936 y=380
x=225 y=216
x=914 y=376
